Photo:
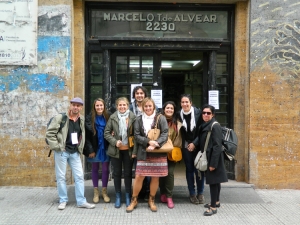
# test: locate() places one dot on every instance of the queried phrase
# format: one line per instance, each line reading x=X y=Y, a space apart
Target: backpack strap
x=213 y=125
x=206 y=141
x=208 y=136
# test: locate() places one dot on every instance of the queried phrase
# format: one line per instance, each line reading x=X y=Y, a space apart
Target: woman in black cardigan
x=216 y=173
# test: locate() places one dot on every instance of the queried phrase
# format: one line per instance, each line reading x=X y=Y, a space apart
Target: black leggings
x=214 y=194
x=125 y=162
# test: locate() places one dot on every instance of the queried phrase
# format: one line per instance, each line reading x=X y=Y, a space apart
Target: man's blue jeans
x=191 y=172
x=61 y=159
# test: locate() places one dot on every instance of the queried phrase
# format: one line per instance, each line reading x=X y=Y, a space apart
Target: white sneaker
x=86 y=205
x=62 y=205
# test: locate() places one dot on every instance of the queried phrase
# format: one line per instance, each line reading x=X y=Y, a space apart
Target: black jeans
x=124 y=161
x=214 y=194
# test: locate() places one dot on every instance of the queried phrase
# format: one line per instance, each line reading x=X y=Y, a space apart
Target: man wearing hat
x=67 y=144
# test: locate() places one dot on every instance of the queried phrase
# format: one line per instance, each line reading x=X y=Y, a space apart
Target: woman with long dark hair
x=96 y=146
x=166 y=184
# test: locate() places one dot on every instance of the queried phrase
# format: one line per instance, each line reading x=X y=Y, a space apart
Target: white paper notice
x=74 y=138
x=213 y=98
x=132 y=87
x=18 y=32
x=156 y=95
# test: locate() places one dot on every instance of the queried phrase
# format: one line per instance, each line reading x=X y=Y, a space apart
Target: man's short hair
x=137 y=88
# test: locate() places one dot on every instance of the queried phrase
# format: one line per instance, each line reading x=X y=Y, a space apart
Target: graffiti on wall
x=275 y=38
x=287 y=51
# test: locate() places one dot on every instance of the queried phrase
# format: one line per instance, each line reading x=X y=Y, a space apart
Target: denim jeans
x=61 y=159
x=191 y=172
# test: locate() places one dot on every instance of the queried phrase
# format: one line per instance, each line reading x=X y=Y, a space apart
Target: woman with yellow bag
x=166 y=184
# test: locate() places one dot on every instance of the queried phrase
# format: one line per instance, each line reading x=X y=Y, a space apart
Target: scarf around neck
x=193 y=123
x=123 y=125
x=171 y=123
x=148 y=121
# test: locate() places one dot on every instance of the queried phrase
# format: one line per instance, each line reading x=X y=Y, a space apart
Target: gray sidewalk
x=240 y=204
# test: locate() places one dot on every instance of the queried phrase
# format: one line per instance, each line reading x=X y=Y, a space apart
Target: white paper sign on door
x=213 y=98
x=156 y=95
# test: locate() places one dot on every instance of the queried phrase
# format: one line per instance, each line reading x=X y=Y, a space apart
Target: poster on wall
x=18 y=32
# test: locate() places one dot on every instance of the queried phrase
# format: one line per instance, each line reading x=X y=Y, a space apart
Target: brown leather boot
x=151 y=204
x=133 y=204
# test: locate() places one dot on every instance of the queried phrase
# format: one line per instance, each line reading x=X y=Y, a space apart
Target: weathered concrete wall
x=266 y=92
x=30 y=95
x=274 y=158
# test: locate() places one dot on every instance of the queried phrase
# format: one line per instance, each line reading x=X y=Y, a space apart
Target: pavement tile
x=240 y=204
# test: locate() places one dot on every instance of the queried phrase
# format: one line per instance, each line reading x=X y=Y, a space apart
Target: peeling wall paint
x=30 y=96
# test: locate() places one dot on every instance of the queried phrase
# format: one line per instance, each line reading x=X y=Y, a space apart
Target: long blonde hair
x=94 y=113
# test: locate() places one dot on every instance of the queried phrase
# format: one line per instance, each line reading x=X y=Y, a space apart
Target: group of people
x=122 y=139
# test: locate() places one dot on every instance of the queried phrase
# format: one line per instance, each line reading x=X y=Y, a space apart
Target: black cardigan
x=141 y=140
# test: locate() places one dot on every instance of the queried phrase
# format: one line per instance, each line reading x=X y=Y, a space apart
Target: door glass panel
x=122 y=91
x=96 y=92
x=222 y=119
x=130 y=68
x=147 y=69
x=96 y=68
x=121 y=68
x=222 y=81
x=134 y=66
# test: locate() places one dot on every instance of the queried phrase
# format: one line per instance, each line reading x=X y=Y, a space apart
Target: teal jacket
x=57 y=139
x=112 y=126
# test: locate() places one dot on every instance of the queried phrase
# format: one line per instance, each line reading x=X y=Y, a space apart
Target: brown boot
x=133 y=204
x=96 y=195
x=151 y=204
x=104 y=195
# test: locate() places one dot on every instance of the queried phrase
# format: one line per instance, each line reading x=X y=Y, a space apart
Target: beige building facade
x=259 y=77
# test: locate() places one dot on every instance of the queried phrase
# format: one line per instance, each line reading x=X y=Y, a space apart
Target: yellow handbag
x=175 y=155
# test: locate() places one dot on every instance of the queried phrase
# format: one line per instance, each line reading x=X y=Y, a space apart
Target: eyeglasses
x=208 y=113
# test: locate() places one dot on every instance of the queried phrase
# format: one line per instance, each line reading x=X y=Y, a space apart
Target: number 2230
x=160 y=26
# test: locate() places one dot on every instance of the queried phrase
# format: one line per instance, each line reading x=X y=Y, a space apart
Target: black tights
x=214 y=194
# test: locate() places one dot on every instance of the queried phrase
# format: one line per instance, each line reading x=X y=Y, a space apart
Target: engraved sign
x=159 y=24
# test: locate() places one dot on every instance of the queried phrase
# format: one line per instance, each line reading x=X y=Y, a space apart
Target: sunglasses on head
x=208 y=113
